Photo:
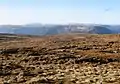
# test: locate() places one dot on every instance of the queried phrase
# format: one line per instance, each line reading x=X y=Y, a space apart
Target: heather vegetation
x=60 y=59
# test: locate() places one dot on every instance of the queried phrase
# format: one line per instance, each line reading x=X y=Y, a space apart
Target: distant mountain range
x=51 y=29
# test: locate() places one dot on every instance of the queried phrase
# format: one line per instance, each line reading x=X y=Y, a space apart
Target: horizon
x=22 y=12
x=57 y=24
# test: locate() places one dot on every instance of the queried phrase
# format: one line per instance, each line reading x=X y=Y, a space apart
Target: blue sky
x=59 y=11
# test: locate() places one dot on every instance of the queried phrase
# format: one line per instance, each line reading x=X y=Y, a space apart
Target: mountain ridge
x=51 y=29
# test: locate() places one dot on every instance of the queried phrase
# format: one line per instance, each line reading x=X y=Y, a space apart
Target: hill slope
x=60 y=59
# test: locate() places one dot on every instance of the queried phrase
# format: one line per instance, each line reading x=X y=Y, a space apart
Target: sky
x=59 y=11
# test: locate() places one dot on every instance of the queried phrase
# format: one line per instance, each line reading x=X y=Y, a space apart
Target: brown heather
x=60 y=59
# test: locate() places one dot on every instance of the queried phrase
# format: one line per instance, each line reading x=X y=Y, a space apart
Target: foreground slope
x=61 y=59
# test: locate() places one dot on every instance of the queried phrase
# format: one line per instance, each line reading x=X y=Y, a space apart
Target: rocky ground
x=60 y=59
